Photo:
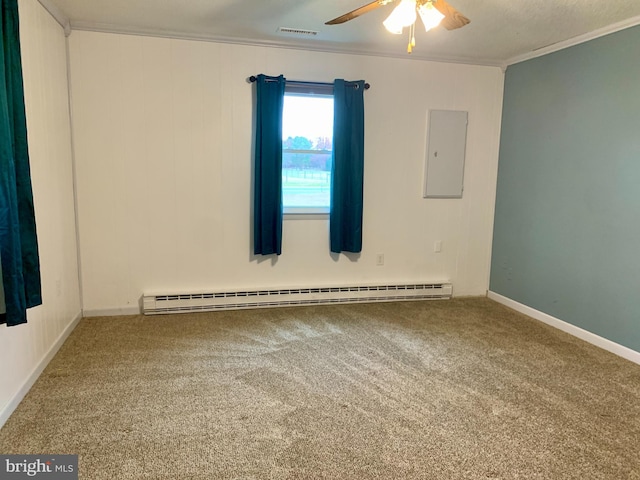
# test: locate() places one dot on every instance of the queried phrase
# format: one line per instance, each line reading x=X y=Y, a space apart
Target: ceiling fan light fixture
x=430 y=16
x=401 y=16
x=391 y=27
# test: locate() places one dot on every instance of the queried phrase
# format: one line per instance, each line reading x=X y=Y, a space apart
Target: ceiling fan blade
x=452 y=18
x=357 y=12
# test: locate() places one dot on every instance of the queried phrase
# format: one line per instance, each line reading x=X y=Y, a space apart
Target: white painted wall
x=163 y=141
x=26 y=349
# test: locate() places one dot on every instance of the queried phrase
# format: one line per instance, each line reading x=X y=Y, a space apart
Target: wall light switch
x=437 y=246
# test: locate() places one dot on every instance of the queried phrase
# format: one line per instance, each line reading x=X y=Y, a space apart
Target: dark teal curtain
x=267 y=191
x=18 y=242
x=345 y=219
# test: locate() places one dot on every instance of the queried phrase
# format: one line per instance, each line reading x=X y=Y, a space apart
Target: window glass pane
x=307 y=137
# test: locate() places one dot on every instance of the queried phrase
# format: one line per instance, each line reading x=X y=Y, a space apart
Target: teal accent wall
x=567 y=219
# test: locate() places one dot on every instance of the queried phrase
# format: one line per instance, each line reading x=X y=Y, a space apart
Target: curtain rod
x=253 y=78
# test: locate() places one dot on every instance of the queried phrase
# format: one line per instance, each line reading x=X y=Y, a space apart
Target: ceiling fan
x=432 y=13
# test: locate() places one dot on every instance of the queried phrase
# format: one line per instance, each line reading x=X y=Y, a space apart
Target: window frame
x=308 y=90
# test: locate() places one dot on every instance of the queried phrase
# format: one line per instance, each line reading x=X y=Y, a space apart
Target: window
x=337 y=183
x=307 y=138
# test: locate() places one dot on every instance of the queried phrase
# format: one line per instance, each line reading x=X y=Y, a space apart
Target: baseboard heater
x=207 y=302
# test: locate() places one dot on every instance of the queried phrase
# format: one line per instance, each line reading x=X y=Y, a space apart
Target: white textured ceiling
x=500 y=30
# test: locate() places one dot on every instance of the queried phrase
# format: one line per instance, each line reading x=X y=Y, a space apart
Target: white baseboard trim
x=582 y=334
x=112 y=312
x=9 y=408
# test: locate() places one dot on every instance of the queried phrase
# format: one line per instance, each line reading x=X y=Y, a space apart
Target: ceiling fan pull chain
x=412 y=38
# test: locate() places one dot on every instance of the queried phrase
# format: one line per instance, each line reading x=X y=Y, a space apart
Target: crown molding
x=58 y=15
x=601 y=32
x=68 y=26
x=306 y=46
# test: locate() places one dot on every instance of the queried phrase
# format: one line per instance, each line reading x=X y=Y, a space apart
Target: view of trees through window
x=306 y=150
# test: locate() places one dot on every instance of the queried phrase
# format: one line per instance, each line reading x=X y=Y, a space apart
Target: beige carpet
x=432 y=390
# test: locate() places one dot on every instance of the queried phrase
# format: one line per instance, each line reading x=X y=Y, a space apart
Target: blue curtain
x=267 y=191
x=345 y=220
x=2 y=304
x=18 y=242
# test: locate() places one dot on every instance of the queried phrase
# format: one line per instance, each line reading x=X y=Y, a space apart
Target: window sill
x=306 y=213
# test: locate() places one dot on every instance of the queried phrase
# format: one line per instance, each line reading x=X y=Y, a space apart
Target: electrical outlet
x=380 y=259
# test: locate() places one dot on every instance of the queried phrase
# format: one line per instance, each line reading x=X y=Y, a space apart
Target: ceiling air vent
x=297 y=31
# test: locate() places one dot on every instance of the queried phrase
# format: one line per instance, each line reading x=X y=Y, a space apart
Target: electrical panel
x=446 y=146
